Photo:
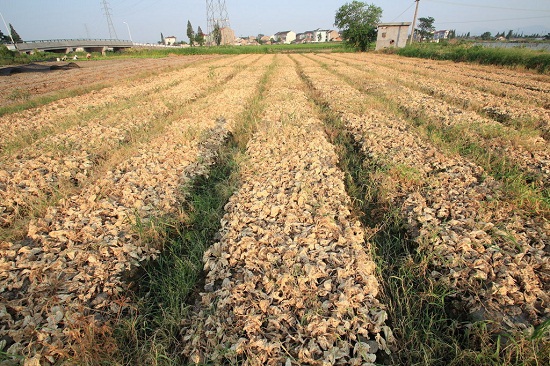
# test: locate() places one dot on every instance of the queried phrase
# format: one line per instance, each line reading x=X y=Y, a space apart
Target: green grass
x=513 y=57
x=430 y=326
x=151 y=334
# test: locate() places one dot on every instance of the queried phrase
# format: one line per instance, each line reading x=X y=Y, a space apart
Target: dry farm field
x=383 y=210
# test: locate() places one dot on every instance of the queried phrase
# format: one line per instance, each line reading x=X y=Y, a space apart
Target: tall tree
x=162 y=41
x=190 y=33
x=358 y=21
x=510 y=34
x=199 y=38
x=15 y=35
x=486 y=36
x=426 y=28
x=217 y=34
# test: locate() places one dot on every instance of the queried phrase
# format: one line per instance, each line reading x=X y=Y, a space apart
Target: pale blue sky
x=63 y=19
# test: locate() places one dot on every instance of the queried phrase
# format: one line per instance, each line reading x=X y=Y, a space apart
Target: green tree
x=3 y=38
x=199 y=38
x=190 y=33
x=358 y=21
x=510 y=34
x=15 y=35
x=426 y=28
x=547 y=37
x=217 y=34
x=486 y=36
x=161 y=38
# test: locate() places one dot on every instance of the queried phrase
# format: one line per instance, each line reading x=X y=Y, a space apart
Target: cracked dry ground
x=291 y=279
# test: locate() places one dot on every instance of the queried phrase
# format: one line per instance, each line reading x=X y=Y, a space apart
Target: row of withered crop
x=67 y=276
x=57 y=162
x=501 y=106
x=94 y=74
x=290 y=281
x=58 y=115
x=495 y=255
x=529 y=152
x=524 y=86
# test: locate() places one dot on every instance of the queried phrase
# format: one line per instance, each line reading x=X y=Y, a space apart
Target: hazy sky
x=66 y=19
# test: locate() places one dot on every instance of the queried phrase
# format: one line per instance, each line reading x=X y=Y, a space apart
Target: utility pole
x=112 y=31
x=414 y=22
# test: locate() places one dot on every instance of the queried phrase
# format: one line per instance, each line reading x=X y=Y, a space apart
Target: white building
x=441 y=34
x=321 y=35
x=170 y=40
x=286 y=37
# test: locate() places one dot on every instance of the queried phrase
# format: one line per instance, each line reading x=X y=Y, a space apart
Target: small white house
x=170 y=40
x=392 y=35
x=286 y=37
x=321 y=35
x=441 y=34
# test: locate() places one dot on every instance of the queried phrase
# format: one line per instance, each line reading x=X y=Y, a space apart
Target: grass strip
x=511 y=57
x=429 y=326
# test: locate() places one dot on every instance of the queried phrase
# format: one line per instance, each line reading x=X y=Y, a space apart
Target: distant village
x=284 y=37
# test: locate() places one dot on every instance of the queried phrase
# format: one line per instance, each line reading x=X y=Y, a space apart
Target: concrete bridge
x=72 y=45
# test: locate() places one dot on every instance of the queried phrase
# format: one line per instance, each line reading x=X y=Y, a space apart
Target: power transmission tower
x=107 y=10
x=216 y=12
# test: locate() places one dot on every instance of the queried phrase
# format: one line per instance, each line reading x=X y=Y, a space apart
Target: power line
x=487 y=6
x=394 y=19
x=493 y=20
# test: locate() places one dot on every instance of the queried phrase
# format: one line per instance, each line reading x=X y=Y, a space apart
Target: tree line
x=199 y=37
